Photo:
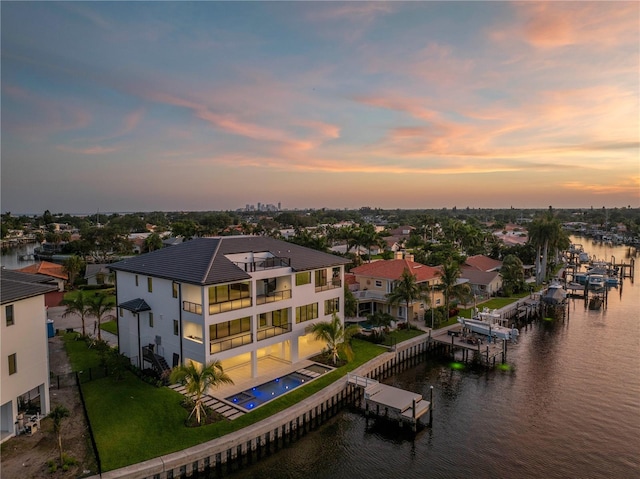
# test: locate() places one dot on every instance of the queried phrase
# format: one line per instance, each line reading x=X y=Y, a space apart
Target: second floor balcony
x=271 y=331
x=230 y=342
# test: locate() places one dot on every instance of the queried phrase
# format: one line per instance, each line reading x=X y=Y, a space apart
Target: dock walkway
x=391 y=402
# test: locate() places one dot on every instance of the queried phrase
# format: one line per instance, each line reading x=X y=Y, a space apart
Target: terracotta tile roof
x=483 y=263
x=47 y=268
x=393 y=268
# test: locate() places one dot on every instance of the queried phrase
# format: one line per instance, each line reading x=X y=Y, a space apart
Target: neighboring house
x=483 y=274
x=240 y=299
x=482 y=283
x=24 y=373
x=482 y=263
x=376 y=280
x=98 y=274
x=55 y=273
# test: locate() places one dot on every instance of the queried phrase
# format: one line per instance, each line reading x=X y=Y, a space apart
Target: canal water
x=568 y=406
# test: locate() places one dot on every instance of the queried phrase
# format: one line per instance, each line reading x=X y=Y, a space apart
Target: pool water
x=258 y=395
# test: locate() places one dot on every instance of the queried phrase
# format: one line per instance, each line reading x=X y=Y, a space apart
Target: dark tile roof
x=135 y=305
x=201 y=261
x=15 y=286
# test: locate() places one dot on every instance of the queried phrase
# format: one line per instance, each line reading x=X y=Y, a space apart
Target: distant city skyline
x=193 y=106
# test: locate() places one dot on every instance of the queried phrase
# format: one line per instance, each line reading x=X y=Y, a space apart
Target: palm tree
x=153 y=242
x=57 y=414
x=545 y=233
x=72 y=266
x=77 y=305
x=449 y=275
x=336 y=336
x=198 y=380
x=100 y=308
x=407 y=290
x=512 y=273
x=380 y=321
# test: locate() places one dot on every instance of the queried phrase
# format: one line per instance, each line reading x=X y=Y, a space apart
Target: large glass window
x=278 y=318
x=321 y=277
x=332 y=306
x=8 y=310
x=303 y=278
x=150 y=284
x=227 y=292
x=230 y=328
x=227 y=297
x=306 y=313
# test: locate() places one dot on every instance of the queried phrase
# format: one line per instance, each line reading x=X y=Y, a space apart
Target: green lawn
x=133 y=421
x=110 y=326
x=89 y=293
x=81 y=357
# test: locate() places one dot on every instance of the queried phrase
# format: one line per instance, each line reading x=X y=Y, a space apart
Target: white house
x=243 y=300
x=24 y=374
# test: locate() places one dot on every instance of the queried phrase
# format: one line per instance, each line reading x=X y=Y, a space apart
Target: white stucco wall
x=27 y=338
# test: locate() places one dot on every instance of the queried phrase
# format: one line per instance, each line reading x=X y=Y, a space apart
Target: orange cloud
x=558 y=24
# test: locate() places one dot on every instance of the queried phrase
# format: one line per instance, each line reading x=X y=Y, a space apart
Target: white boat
x=596 y=281
x=486 y=328
x=555 y=293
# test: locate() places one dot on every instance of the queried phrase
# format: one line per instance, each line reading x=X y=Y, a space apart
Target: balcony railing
x=272 y=331
x=262 y=264
x=229 y=305
x=369 y=295
x=334 y=283
x=273 y=297
x=190 y=307
x=217 y=345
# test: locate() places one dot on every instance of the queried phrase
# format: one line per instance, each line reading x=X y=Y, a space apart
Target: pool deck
x=274 y=369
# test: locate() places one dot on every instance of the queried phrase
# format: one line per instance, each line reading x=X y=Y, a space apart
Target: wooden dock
x=392 y=403
x=471 y=346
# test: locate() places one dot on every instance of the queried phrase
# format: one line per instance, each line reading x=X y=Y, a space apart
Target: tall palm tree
x=545 y=233
x=407 y=290
x=100 y=308
x=449 y=274
x=77 y=305
x=337 y=337
x=72 y=266
x=198 y=380
x=57 y=414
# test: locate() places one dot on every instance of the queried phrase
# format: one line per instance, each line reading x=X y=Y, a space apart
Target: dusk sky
x=144 y=106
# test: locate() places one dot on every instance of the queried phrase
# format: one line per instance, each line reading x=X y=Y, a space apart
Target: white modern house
x=24 y=373
x=244 y=300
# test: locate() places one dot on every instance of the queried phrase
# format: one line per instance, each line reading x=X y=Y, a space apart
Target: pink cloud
x=558 y=24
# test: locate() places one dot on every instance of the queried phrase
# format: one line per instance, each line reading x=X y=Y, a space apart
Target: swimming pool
x=258 y=395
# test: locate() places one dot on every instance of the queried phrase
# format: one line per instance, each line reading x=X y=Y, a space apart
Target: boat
x=596 y=281
x=580 y=278
x=555 y=294
x=485 y=328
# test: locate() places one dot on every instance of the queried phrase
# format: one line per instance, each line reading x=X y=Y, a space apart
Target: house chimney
x=398 y=255
x=408 y=257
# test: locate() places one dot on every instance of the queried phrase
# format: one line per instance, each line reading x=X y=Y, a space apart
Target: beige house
x=374 y=281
